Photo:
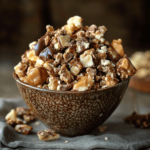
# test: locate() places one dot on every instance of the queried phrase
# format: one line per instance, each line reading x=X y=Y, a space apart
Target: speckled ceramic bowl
x=72 y=113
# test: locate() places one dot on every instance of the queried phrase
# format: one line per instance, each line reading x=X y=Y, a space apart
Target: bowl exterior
x=72 y=113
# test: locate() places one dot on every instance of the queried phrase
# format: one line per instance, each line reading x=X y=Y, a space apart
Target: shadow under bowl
x=72 y=113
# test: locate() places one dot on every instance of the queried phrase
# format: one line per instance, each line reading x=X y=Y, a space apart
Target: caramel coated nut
x=31 y=45
x=20 y=111
x=49 y=28
x=58 y=59
x=112 y=55
x=64 y=87
x=29 y=118
x=111 y=81
x=75 y=67
x=84 y=84
x=91 y=72
x=125 y=68
x=69 y=54
x=37 y=76
x=53 y=83
x=48 y=65
x=82 y=44
x=101 y=53
x=117 y=46
x=31 y=55
x=39 y=63
x=64 y=40
x=76 y=21
x=11 y=115
x=20 y=69
x=86 y=58
x=47 y=135
x=14 y=122
x=47 y=40
x=65 y=74
x=23 y=129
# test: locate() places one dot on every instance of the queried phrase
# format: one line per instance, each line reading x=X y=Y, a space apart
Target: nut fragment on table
x=47 y=135
x=138 y=120
x=20 y=111
x=23 y=129
x=29 y=118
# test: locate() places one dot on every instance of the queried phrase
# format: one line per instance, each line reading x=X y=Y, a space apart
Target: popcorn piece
x=29 y=118
x=105 y=62
x=84 y=84
x=69 y=54
x=112 y=55
x=49 y=28
x=31 y=55
x=20 y=69
x=24 y=79
x=73 y=24
x=117 y=46
x=64 y=40
x=86 y=58
x=79 y=76
x=31 y=45
x=75 y=67
x=48 y=135
x=125 y=68
x=39 y=63
x=53 y=83
x=64 y=87
x=65 y=74
x=37 y=76
x=48 y=65
x=82 y=45
x=23 y=129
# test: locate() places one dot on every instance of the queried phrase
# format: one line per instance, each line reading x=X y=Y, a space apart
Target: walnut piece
x=117 y=46
x=29 y=118
x=53 y=83
x=65 y=74
x=20 y=69
x=48 y=135
x=125 y=68
x=20 y=111
x=23 y=128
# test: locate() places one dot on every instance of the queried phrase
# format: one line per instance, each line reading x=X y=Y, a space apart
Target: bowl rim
x=67 y=92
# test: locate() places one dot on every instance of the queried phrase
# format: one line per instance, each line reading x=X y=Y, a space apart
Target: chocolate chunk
x=39 y=46
x=47 y=53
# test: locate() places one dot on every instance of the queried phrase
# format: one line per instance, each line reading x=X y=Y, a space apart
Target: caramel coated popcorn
x=74 y=57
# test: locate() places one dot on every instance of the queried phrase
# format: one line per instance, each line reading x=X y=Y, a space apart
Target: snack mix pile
x=74 y=58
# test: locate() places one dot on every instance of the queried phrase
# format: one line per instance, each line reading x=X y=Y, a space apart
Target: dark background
x=24 y=21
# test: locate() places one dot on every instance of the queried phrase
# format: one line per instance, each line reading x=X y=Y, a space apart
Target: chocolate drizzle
x=47 y=53
x=39 y=46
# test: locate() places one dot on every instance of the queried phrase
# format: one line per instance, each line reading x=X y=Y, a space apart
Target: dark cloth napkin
x=120 y=135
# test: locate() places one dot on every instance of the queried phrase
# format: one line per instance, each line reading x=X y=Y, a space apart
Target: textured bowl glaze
x=72 y=113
